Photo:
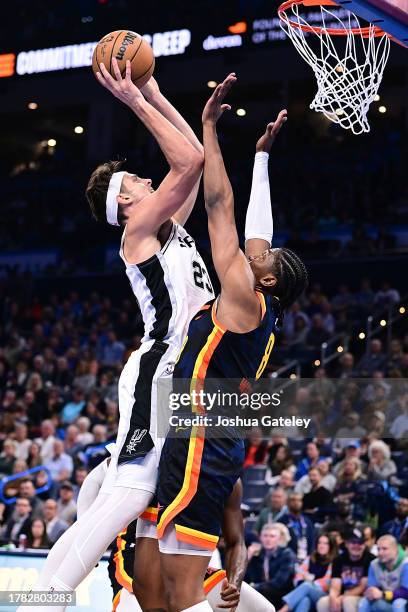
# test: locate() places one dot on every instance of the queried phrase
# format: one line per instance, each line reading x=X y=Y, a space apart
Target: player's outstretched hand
x=272 y=129
x=215 y=107
x=122 y=88
x=229 y=596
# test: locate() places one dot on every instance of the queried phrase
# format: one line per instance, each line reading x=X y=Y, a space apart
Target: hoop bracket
x=364 y=32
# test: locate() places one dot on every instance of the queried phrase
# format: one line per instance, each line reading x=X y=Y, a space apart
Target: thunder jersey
x=212 y=352
x=170 y=287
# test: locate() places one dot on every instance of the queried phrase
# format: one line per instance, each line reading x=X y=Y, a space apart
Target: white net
x=348 y=68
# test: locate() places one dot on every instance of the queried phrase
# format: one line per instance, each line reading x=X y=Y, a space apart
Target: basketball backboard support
x=390 y=15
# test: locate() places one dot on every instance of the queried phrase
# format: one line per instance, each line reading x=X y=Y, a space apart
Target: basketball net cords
x=344 y=84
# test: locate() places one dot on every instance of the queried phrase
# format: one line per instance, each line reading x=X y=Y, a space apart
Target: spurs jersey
x=170 y=287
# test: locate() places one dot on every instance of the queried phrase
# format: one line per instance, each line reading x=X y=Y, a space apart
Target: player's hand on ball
x=215 y=107
x=121 y=87
x=266 y=140
x=229 y=596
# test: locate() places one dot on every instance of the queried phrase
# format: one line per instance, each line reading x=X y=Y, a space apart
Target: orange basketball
x=125 y=45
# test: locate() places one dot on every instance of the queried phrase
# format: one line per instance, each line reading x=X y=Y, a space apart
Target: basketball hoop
x=348 y=75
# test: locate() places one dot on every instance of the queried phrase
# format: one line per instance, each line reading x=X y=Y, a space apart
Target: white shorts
x=138 y=391
x=169 y=544
x=140 y=474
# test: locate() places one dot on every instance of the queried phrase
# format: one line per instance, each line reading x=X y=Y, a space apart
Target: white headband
x=111 y=197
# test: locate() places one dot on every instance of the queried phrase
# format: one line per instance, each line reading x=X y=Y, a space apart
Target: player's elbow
x=192 y=164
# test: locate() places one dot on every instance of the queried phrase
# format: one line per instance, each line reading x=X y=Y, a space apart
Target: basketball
x=125 y=45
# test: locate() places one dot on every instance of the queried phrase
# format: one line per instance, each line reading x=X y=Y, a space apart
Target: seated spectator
x=381 y=466
x=284 y=480
x=387 y=584
x=372 y=361
x=292 y=315
x=11 y=488
x=34 y=457
x=348 y=477
x=46 y=441
x=300 y=526
x=55 y=526
x=399 y=427
x=300 y=332
x=346 y=367
x=352 y=450
x=364 y=298
x=84 y=436
x=396 y=526
x=328 y=479
x=386 y=297
x=94 y=453
x=22 y=441
x=37 y=535
x=318 y=500
x=369 y=538
x=61 y=464
x=274 y=510
x=282 y=460
x=256 y=451
x=349 y=576
x=66 y=505
x=311 y=460
x=312 y=579
x=80 y=474
x=85 y=375
x=73 y=408
x=317 y=333
x=18 y=523
x=27 y=490
x=343 y=299
x=270 y=570
x=113 y=351
x=350 y=431
x=7 y=457
x=71 y=444
x=395 y=354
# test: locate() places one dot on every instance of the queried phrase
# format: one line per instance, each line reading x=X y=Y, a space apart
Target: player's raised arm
x=152 y=93
x=233 y=270
x=259 y=220
x=184 y=159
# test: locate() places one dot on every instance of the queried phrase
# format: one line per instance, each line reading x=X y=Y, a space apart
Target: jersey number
x=266 y=356
x=201 y=277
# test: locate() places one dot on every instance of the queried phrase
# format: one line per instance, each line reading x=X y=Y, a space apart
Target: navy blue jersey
x=197 y=472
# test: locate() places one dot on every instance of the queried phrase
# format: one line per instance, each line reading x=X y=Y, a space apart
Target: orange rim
x=364 y=32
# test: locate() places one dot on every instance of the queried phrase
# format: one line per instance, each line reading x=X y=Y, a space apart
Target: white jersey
x=170 y=287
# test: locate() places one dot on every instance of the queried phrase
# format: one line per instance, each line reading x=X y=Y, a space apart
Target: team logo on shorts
x=137 y=437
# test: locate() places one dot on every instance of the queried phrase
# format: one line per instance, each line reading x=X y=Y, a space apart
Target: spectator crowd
x=326 y=515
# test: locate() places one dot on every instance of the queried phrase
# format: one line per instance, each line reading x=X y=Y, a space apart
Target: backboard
x=390 y=15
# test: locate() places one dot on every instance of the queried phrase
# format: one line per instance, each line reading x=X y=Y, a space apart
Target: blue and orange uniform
x=198 y=470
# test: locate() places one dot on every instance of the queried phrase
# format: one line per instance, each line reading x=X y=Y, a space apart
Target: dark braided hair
x=292 y=278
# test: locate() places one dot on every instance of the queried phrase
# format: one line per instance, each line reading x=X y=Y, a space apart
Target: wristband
x=388 y=595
